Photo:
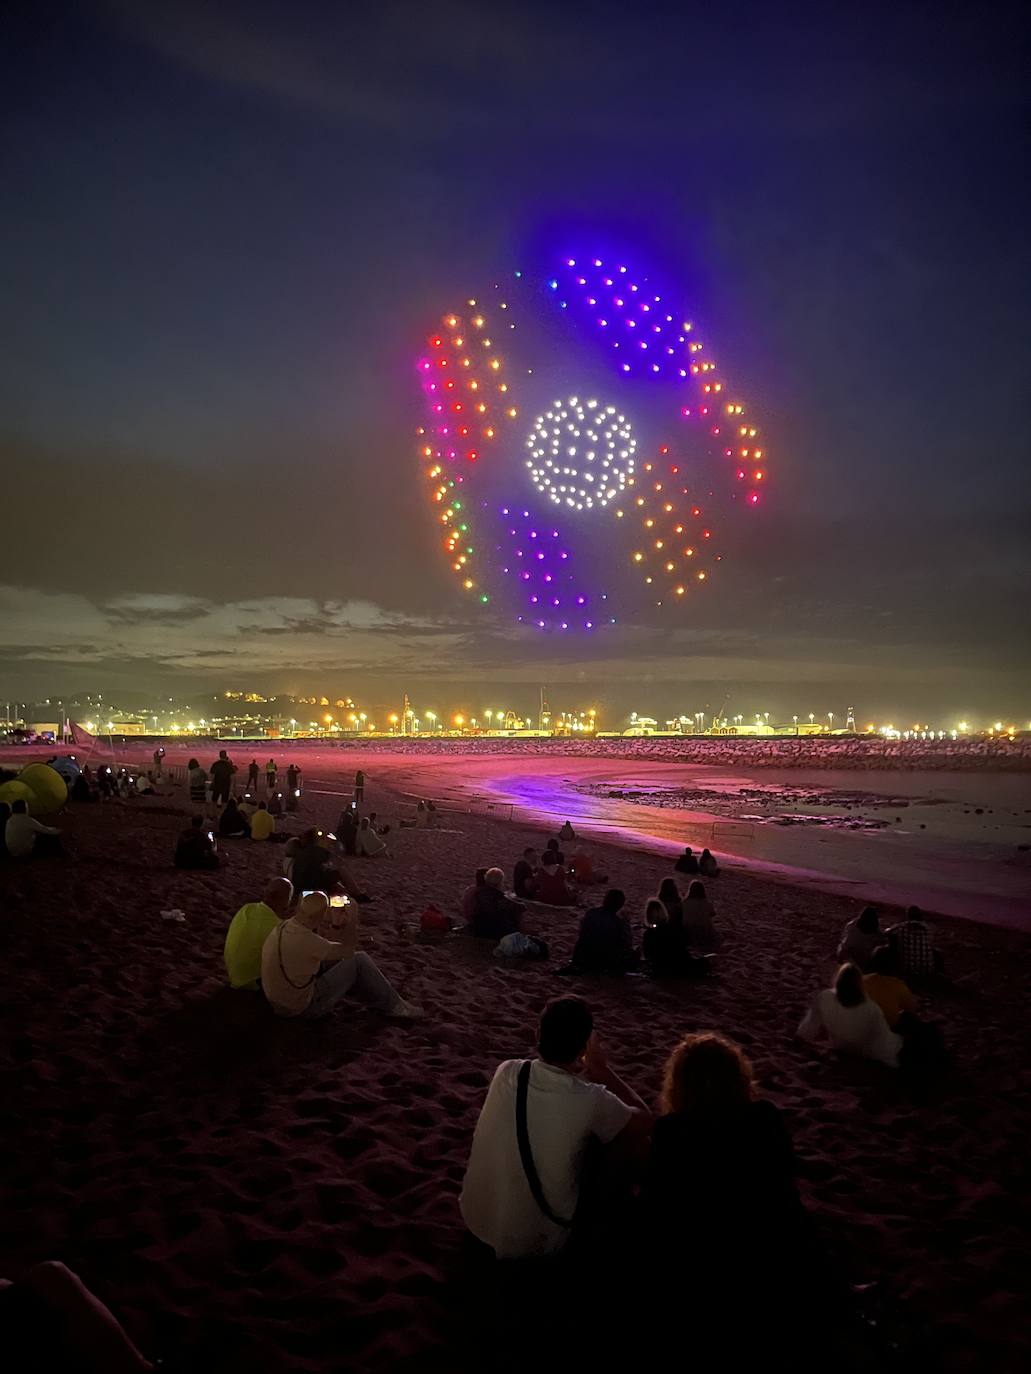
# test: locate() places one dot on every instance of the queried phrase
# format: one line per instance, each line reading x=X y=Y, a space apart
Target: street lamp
x=431 y=716
x=811 y=717
x=830 y=718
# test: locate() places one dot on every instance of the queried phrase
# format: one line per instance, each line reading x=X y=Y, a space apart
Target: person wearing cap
x=292 y=958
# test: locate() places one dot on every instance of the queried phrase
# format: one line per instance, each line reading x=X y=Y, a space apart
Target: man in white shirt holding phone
x=293 y=955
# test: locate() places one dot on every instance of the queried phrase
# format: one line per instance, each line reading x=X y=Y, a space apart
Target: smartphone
x=211 y=836
x=339 y=899
x=354 y=806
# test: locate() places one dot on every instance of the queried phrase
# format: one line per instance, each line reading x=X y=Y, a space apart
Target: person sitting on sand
x=687 y=863
x=246 y=806
x=232 y=822
x=552 y=847
x=248 y=931
x=522 y=875
x=522 y=1182
x=275 y=805
x=669 y=896
x=914 y=947
x=581 y=867
x=25 y=837
x=5 y=816
x=664 y=945
x=567 y=833
x=722 y=1170
x=494 y=914
x=312 y=869
x=699 y=918
x=195 y=847
x=550 y=883
x=293 y=777
x=852 y=1022
x=605 y=943
x=860 y=938
x=292 y=958
x=707 y=865
x=471 y=895
x=370 y=846
x=887 y=989
x=263 y=825
x=198 y=780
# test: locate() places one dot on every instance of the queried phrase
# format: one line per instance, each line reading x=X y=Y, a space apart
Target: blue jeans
x=359 y=973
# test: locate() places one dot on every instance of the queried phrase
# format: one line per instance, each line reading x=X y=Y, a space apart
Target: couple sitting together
x=307 y=962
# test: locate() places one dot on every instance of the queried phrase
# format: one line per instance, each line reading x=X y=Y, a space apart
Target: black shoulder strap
x=525 y=1153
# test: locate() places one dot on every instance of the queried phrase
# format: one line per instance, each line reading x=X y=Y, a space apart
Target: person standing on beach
x=271 y=773
x=292 y=957
x=359 y=786
x=222 y=771
x=252 y=776
x=522 y=1183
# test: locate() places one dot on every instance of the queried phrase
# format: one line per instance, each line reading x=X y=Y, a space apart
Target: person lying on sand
x=248 y=931
x=292 y=958
x=493 y=914
x=522 y=1182
x=195 y=847
x=851 y=1021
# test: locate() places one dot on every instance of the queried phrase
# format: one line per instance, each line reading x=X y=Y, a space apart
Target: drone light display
x=518 y=510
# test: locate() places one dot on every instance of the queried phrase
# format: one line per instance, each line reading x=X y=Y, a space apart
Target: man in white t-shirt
x=292 y=957
x=572 y=1097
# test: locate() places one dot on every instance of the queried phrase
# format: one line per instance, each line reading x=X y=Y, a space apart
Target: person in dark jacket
x=232 y=820
x=195 y=847
x=605 y=943
x=722 y=1172
x=522 y=874
x=687 y=863
x=494 y=914
x=222 y=771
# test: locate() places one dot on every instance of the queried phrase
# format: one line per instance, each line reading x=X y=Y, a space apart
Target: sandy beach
x=271 y=1196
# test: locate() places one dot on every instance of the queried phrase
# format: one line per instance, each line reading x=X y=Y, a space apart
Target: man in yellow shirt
x=249 y=929
x=886 y=989
x=263 y=823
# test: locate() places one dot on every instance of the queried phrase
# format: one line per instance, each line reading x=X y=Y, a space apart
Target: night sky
x=228 y=228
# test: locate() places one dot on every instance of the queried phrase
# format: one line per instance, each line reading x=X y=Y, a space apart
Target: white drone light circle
x=581 y=453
